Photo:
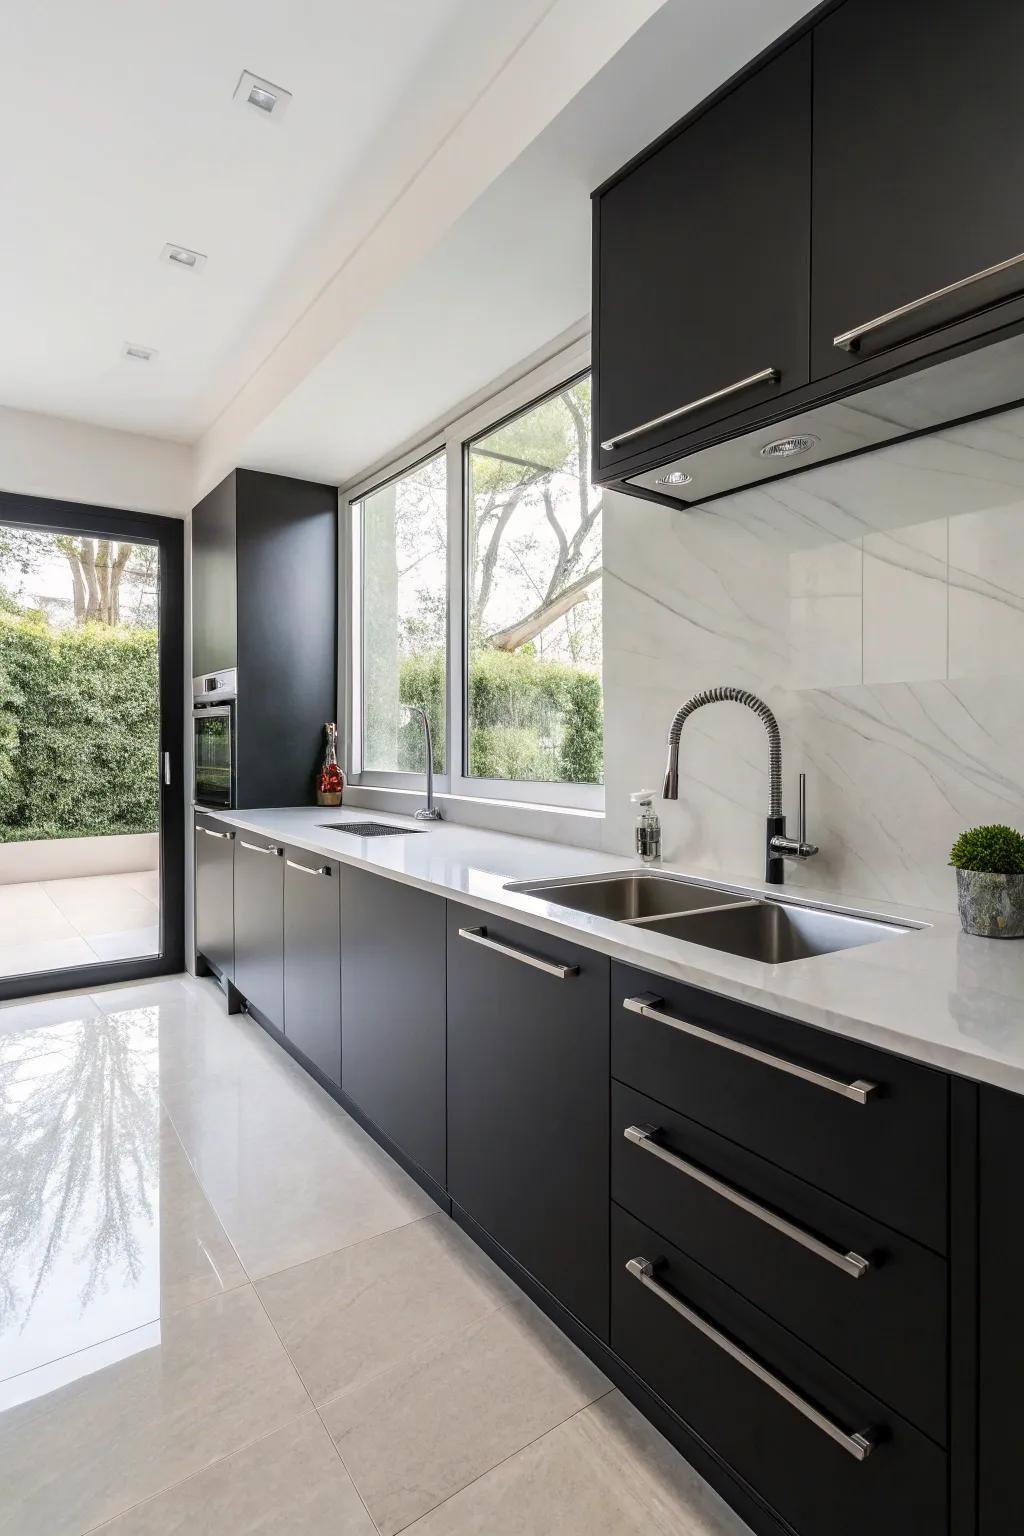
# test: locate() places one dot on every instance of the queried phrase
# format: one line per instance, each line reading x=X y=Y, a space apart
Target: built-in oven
x=214 y=738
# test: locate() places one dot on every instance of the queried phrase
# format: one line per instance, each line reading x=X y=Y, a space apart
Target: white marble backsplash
x=878 y=606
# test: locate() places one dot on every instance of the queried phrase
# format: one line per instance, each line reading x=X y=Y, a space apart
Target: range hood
x=975 y=383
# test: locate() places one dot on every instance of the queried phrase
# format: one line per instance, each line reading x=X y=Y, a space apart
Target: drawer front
x=885 y=1156
x=774 y=1410
x=792 y=1250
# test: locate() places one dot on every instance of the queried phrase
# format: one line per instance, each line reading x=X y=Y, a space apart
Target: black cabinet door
x=214 y=637
x=259 y=924
x=214 y=898
x=312 y=959
x=528 y=1102
x=701 y=275
x=918 y=139
x=393 y=1005
x=1001 y=1287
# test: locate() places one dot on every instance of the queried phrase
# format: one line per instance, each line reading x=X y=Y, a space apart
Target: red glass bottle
x=330 y=781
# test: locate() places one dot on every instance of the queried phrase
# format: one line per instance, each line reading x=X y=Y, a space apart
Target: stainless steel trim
x=859 y=1444
x=857 y=1092
x=763 y=376
x=849 y=341
x=209 y=832
x=167 y=767
x=321 y=869
x=216 y=685
x=549 y=967
x=256 y=848
x=852 y=1264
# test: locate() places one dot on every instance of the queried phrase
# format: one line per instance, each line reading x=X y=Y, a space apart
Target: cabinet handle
x=858 y=1445
x=647 y=1004
x=209 y=832
x=850 y=341
x=257 y=848
x=764 y=376
x=549 y=967
x=304 y=869
x=852 y=1264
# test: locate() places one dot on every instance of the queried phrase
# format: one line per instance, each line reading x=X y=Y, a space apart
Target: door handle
x=763 y=376
x=549 y=967
x=257 y=848
x=167 y=768
x=304 y=869
x=209 y=832
x=849 y=341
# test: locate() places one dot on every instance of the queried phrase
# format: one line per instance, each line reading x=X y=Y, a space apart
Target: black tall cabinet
x=264 y=600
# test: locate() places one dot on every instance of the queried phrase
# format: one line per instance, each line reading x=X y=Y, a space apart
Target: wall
x=878 y=606
x=70 y=461
x=66 y=858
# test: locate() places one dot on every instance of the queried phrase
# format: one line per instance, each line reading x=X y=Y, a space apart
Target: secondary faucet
x=778 y=845
x=428 y=812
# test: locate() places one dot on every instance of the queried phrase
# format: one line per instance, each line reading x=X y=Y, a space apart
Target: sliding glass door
x=91 y=795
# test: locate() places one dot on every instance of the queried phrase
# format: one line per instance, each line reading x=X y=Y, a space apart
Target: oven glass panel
x=212 y=757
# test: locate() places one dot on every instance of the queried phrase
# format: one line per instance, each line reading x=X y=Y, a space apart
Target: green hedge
x=79 y=730
x=529 y=718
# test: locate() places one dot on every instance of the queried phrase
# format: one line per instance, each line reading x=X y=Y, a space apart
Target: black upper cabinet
x=393 y=991
x=701 y=274
x=918 y=152
x=312 y=959
x=214 y=617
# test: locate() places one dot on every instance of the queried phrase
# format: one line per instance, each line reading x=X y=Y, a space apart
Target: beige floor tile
x=606 y=1472
x=28 y=956
x=28 y=912
x=291 y=1483
x=448 y=1413
x=126 y=944
x=196 y=1259
x=100 y=903
x=38 y=1012
x=145 y=881
x=350 y=1315
x=213 y=1378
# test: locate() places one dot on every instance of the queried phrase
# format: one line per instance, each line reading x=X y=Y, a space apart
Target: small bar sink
x=629 y=898
x=775 y=933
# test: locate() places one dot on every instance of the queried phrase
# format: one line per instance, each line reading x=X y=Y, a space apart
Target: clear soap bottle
x=647 y=833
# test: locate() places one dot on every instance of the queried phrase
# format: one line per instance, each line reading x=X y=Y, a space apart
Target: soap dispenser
x=648 y=827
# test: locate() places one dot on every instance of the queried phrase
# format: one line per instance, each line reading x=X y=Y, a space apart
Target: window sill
x=556 y=823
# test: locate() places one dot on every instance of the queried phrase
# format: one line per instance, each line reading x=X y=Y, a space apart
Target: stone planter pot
x=991 y=906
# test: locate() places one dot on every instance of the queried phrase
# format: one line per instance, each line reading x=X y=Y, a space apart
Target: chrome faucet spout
x=429 y=812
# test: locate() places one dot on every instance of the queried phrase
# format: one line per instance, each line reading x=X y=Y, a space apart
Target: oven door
x=213 y=755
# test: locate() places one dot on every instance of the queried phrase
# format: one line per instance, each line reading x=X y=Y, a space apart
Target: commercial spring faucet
x=428 y=812
x=778 y=846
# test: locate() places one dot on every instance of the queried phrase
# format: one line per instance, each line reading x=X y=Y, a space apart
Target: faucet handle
x=796 y=847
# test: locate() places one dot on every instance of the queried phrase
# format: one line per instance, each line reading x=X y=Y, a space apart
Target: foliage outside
x=994 y=850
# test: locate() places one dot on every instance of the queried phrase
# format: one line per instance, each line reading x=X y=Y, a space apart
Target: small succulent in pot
x=989 y=864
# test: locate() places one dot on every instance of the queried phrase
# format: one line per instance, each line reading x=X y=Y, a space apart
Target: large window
x=477 y=594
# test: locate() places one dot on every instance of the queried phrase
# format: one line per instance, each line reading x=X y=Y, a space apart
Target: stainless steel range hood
x=974 y=383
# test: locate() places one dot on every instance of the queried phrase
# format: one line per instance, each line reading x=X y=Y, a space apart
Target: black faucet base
x=774 y=863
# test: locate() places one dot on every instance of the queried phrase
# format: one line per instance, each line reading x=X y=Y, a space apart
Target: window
x=405 y=618
x=476 y=592
x=533 y=676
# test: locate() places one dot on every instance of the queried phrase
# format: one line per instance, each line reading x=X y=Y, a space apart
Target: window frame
x=533 y=387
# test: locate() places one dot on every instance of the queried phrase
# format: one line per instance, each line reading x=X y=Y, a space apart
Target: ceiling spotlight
x=263 y=96
x=674 y=477
x=141 y=354
x=181 y=256
x=788 y=447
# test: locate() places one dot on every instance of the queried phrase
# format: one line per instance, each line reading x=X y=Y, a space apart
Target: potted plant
x=989 y=864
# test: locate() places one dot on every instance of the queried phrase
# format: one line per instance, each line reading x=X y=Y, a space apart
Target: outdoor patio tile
x=27 y=912
x=101 y=904
x=126 y=943
x=44 y=955
x=145 y=881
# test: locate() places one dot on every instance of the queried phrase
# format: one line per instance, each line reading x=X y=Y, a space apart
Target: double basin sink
x=771 y=930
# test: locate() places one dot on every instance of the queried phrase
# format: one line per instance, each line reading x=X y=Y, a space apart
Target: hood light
x=788 y=447
x=675 y=477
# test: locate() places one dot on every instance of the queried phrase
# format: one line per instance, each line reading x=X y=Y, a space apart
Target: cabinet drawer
x=793 y=1251
x=779 y=1415
x=882 y=1150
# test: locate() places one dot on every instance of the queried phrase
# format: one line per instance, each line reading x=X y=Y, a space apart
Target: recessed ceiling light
x=181 y=256
x=262 y=96
x=675 y=477
x=141 y=354
x=788 y=447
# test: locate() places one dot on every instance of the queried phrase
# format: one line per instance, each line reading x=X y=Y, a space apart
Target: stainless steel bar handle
x=549 y=967
x=322 y=869
x=857 y=1092
x=644 y=1136
x=167 y=767
x=859 y=1445
x=258 y=848
x=763 y=376
x=209 y=832
x=849 y=341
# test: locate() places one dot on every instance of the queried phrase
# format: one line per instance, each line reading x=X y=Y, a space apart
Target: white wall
x=69 y=461
x=878 y=606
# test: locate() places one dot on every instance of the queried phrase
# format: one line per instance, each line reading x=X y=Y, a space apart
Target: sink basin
x=775 y=933
x=630 y=898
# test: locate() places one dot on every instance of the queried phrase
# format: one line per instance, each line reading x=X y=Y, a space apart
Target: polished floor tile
x=454 y=1408
x=205 y=1382
x=291 y=1483
x=196 y=1259
x=125 y=944
x=351 y=1315
x=37 y=1012
x=605 y=1472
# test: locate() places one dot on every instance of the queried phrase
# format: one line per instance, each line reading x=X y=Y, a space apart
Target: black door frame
x=168 y=534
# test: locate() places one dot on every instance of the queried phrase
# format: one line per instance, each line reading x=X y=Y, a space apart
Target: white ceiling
x=121 y=134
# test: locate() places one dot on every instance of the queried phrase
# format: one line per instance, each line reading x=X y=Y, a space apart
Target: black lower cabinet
x=312 y=959
x=393 y=1005
x=748 y=1388
x=214 y=895
x=1001 y=1295
x=528 y=1102
x=259 y=925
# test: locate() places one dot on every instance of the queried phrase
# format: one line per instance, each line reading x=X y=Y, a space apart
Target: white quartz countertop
x=933 y=994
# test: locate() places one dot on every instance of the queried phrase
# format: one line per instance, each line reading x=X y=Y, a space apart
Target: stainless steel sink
x=774 y=932
x=629 y=898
